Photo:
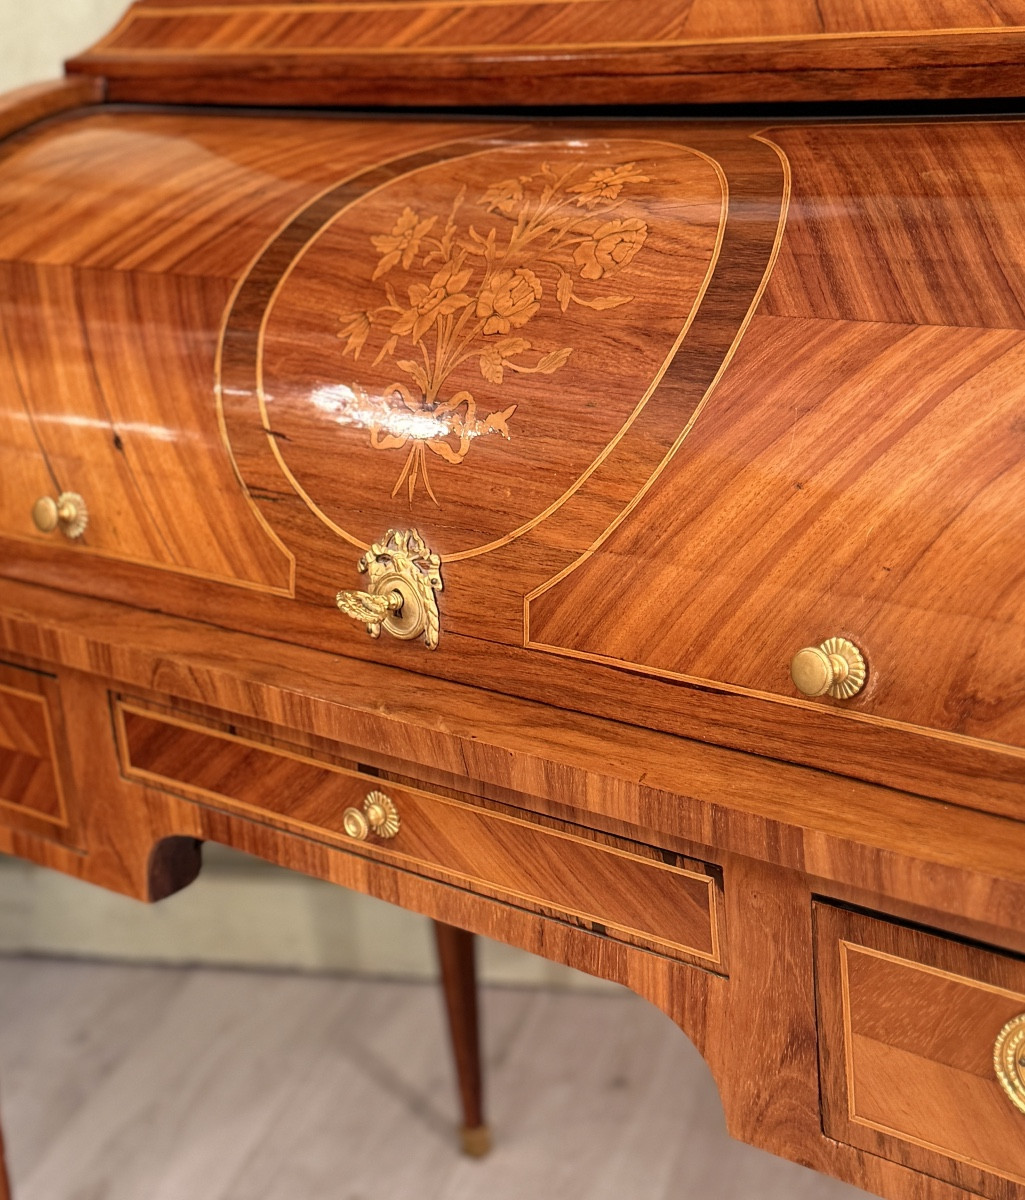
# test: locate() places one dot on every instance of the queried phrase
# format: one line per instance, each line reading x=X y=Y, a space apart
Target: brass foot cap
x=475 y=1142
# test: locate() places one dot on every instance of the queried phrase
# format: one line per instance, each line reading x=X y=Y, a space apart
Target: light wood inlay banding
x=30 y=779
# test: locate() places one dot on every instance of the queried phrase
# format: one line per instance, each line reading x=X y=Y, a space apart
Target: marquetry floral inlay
x=553 y=238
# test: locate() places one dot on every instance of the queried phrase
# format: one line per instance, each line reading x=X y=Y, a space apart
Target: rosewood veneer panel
x=699 y=569
x=36 y=793
x=908 y=1023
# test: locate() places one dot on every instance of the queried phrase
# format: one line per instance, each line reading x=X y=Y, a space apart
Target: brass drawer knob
x=68 y=512
x=1009 y=1060
x=378 y=815
x=836 y=668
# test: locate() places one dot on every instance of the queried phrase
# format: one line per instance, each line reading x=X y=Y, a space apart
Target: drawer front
x=630 y=892
x=31 y=788
x=908 y=1025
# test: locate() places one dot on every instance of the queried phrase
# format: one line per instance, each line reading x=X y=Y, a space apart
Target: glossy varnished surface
x=558 y=51
x=668 y=401
x=520 y=299
x=128 y=239
x=37 y=101
x=689 y=462
x=858 y=471
x=526 y=320
x=797 y=819
x=726 y=391
x=34 y=788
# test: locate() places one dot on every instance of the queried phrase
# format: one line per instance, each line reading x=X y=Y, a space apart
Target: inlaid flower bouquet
x=555 y=239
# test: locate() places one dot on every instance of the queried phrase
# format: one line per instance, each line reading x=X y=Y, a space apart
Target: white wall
x=37 y=35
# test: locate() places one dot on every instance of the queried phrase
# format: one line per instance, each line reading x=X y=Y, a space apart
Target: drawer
x=625 y=890
x=908 y=1024
x=32 y=790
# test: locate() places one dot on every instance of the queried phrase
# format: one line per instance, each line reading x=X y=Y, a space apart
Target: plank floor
x=158 y=1083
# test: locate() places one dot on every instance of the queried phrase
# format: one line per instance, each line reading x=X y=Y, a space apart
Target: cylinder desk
x=557 y=466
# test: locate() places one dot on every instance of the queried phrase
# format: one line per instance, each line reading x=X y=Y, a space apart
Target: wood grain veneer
x=670 y=399
x=564 y=52
x=816 y=407
x=708 y=520
x=908 y=1024
x=34 y=782
x=26 y=105
x=795 y=818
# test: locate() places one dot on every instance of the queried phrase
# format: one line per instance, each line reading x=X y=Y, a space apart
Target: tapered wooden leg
x=5 y=1187
x=457 y=957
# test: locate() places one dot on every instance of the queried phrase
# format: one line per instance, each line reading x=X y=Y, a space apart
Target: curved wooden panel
x=790 y=407
x=558 y=51
x=121 y=242
x=909 y=224
x=853 y=475
x=26 y=105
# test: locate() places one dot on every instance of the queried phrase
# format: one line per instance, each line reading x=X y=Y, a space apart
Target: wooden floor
x=158 y=1083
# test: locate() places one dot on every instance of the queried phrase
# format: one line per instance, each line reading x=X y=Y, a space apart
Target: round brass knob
x=68 y=513
x=378 y=815
x=836 y=668
x=1009 y=1060
x=355 y=824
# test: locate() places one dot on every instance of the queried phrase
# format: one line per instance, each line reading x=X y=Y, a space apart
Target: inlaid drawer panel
x=909 y=1023
x=632 y=892
x=30 y=782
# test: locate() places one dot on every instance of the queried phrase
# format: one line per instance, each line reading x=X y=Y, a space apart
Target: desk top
x=423 y=53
